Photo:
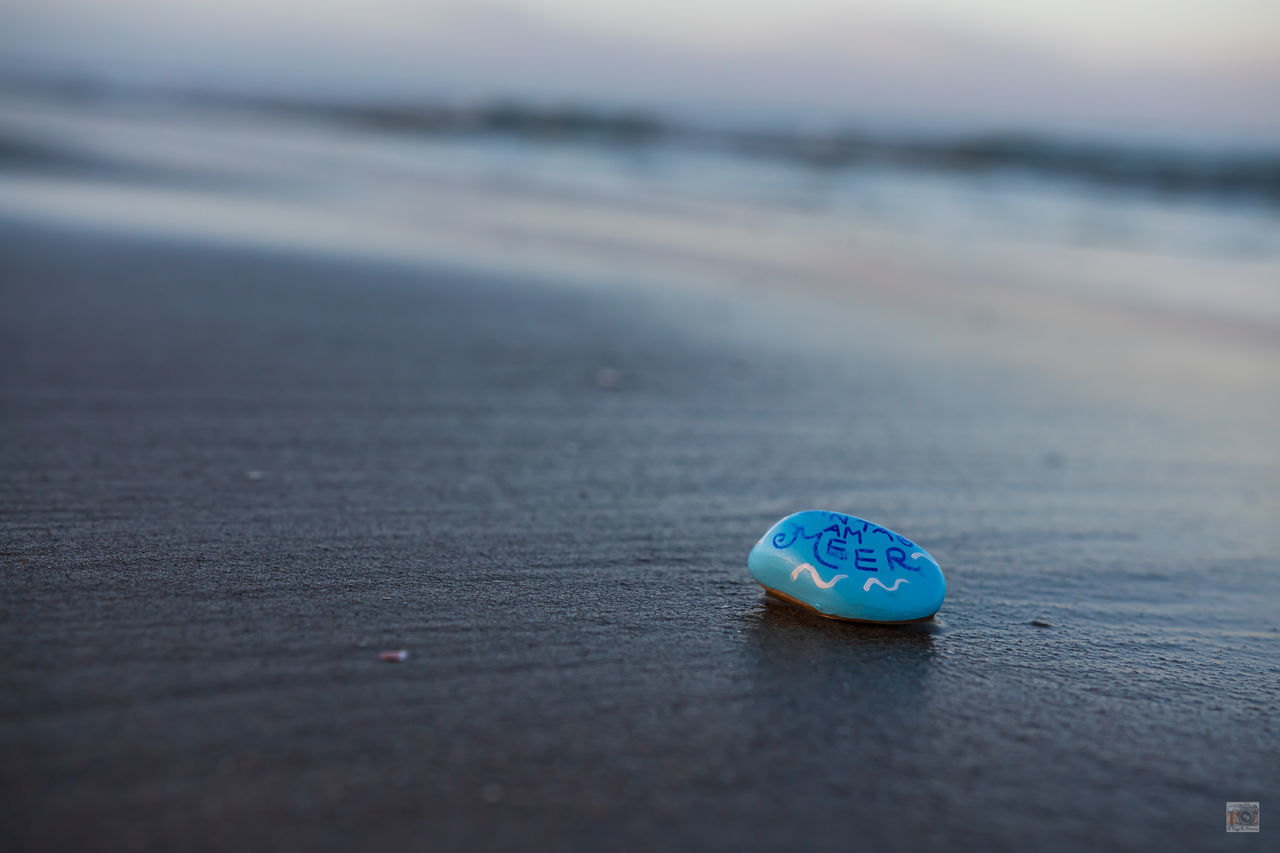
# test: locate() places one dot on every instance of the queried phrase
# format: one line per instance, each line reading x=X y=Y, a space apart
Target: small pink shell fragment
x=394 y=655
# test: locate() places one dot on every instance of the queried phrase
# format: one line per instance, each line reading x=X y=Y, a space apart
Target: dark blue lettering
x=866 y=564
x=898 y=557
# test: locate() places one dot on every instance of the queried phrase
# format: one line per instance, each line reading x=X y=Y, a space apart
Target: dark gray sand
x=231 y=479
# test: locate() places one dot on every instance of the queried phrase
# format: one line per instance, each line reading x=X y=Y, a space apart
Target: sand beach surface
x=235 y=470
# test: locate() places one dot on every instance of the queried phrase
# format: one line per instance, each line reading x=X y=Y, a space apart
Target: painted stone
x=845 y=567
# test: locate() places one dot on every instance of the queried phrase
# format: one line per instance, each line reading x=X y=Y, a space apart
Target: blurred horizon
x=1169 y=168
x=1106 y=156
x=1181 y=73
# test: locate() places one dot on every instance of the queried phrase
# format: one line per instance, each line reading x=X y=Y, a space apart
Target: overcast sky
x=1132 y=66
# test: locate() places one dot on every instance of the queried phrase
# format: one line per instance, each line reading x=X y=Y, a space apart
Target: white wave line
x=817 y=578
x=916 y=554
x=866 y=587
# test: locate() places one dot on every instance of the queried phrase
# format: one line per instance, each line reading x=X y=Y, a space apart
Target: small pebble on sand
x=608 y=378
x=394 y=655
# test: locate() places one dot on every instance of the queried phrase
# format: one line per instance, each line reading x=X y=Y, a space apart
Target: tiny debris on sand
x=1040 y=623
x=394 y=655
x=608 y=378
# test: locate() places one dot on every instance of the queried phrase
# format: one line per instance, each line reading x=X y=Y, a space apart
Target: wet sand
x=231 y=478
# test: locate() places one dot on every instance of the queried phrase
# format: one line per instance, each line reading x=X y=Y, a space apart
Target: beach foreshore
x=233 y=476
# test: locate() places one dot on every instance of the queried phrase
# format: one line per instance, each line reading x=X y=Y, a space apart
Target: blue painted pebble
x=844 y=567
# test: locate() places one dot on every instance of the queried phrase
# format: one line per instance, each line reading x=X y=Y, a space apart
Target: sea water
x=680 y=206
